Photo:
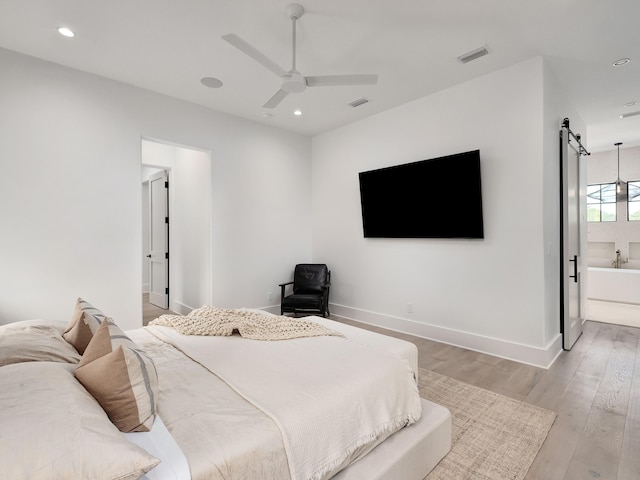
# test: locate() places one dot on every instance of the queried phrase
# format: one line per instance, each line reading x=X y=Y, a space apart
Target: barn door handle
x=575 y=268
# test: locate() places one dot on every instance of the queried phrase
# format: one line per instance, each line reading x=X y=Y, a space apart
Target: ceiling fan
x=292 y=80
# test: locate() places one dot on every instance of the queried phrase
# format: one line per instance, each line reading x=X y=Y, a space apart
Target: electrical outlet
x=269 y=296
x=409 y=307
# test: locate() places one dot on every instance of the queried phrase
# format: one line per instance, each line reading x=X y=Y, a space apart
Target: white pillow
x=34 y=341
x=51 y=427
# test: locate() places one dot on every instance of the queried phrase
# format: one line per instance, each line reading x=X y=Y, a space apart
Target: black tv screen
x=436 y=198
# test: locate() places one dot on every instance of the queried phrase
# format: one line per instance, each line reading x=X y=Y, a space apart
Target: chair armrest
x=282 y=288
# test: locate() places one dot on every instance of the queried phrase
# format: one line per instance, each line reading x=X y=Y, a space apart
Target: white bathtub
x=614 y=285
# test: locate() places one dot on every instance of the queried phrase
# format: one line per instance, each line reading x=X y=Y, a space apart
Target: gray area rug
x=494 y=437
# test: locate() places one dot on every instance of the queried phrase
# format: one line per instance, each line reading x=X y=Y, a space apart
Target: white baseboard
x=275 y=309
x=536 y=356
x=145 y=288
x=181 y=308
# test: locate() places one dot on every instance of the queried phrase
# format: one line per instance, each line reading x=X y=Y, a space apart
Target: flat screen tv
x=436 y=198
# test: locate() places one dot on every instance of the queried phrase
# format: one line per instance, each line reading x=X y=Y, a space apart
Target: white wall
x=489 y=295
x=70 y=154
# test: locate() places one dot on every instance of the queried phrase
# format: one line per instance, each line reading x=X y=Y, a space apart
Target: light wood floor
x=594 y=388
x=151 y=312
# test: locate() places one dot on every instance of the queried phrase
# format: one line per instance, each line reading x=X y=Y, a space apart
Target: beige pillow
x=32 y=341
x=51 y=427
x=121 y=376
x=83 y=324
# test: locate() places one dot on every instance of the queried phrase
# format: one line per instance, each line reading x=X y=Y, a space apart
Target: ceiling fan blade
x=254 y=53
x=276 y=99
x=338 y=80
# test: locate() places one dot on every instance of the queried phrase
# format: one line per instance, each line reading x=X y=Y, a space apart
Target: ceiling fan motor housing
x=293 y=83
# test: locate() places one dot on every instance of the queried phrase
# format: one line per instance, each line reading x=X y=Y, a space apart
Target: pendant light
x=620 y=185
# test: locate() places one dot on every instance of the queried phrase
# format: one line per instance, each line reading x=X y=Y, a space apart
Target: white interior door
x=159 y=240
x=571 y=312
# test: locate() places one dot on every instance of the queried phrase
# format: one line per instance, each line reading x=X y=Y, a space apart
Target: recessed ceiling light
x=297 y=113
x=211 y=82
x=630 y=104
x=67 y=32
x=622 y=61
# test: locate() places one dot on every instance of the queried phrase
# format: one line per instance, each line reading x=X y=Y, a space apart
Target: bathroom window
x=633 y=201
x=601 y=202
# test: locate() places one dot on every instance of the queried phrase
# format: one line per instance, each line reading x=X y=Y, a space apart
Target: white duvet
x=332 y=399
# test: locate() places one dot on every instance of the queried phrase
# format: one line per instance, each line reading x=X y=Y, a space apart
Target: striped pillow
x=83 y=324
x=121 y=377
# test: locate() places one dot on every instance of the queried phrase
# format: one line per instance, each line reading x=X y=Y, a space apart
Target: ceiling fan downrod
x=294 y=82
x=295 y=11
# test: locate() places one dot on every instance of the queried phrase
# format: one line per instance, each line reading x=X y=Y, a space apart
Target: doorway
x=614 y=235
x=181 y=251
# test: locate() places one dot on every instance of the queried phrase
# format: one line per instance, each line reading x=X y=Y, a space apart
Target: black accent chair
x=311 y=282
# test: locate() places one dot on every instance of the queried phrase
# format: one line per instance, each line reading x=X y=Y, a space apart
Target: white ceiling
x=168 y=45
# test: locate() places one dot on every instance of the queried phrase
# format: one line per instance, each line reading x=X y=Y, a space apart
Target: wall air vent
x=358 y=102
x=473 y=54
x=630 y=114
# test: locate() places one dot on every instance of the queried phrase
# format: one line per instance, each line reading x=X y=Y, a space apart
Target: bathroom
x=613 y=235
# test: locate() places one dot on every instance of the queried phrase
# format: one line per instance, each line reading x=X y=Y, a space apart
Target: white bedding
x=222 y=436
x=328 y=414
x=407 y=351
x=159 y=443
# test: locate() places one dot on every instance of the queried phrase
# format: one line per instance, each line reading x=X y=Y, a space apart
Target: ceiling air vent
x=473 y=54
x=630 y=114
x=358 y=102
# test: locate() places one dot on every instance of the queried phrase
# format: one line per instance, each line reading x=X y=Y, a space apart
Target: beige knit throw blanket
x=209 y=320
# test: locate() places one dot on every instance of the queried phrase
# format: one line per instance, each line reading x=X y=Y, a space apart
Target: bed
x=342 y=405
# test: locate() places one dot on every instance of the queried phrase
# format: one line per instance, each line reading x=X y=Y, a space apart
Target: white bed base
x=409 y=454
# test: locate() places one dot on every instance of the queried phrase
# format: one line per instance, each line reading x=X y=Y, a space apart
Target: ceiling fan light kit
x=292 y=80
